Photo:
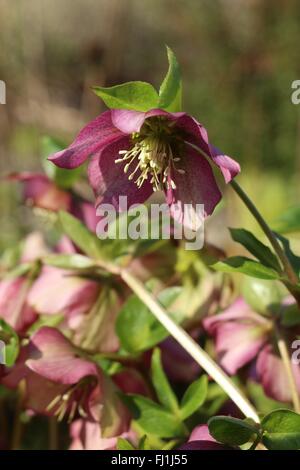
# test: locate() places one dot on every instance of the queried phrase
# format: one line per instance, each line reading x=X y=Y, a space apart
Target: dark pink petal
x=55 y=358
x=110 y=182
x=273 y=377
x=91 y=139
x=178 y=364
x=196 y=186
x=197 y=135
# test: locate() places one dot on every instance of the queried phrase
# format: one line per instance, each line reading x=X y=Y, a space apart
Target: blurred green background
x=238 y=58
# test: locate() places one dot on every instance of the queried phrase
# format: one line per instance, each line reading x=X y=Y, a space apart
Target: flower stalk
x=198 y=354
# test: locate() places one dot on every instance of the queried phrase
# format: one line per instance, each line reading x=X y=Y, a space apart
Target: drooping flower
x=243 y=336
x=135 y=153
x=72 y=386
x=58 y=291
x=41 y=192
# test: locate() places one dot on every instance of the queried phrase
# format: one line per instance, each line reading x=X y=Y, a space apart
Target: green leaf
x=11 y=343
x=138 y=96
x=194 y=397
x=170 y=93
x=255 y=247
x=161 y=384
x=72 y=261
x=231 y=431
x=81 y=236
x=289 y=221
x=281 y=430
x=152 y=418
x=293 y=258
x=241 y=264
x=137 y=328
x=123 y=444
x=63 y=178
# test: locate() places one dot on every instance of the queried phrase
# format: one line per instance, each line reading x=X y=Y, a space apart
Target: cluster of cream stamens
x=151 y=156
x=70 y=402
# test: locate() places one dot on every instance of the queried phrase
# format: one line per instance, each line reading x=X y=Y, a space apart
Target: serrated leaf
x=255 y=247
x=161 y=384
x=231 y=431
x=138 y=96
x=170 y=93
x=152 y=418
x=241 y=264
x=137 y=328
x=281 y=430
x=194 y=397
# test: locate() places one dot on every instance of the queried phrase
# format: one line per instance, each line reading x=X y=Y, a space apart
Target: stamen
x=152 y=153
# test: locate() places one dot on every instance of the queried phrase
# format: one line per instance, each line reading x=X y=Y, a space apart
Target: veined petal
x=54 y=357
x=132 y=121
x=197 y=135
x=196 y=186
x=93 y=137
x=57 y=291
x=109 y=180
x=239 y=334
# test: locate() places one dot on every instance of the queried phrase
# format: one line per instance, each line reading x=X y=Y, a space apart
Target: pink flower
x=135 y=153
x=62 y=382
x=87 y=435
x=242 y=336
x=39 y=191
x=60 y=291
x=42 y=192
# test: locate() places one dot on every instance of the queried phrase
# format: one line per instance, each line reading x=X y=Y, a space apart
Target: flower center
x=154 y=154
x=72 y=400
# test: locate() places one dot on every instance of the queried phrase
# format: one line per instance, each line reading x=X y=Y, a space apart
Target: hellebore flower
x=14 y=291
x=242 y=336
x=135 y=153
x=72 y=386
x=59 y=291
x=87 y=435
x=14 y=307
x=41 y=192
